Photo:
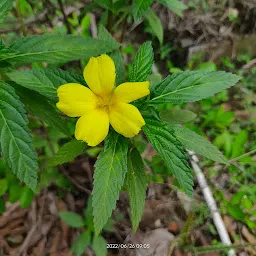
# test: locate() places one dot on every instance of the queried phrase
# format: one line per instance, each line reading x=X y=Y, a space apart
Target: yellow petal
x=92 y=127
x=100 y=75
x=128 y=92
x=75 y=99
x=125 y=119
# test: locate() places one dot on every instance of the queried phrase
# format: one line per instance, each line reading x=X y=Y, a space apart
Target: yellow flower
x=102 y=104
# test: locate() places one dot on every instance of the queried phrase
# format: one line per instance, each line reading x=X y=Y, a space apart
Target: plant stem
x=65 y=17
x=245 y=154
x=22 y=26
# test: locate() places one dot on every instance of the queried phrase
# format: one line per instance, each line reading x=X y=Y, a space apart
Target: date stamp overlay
x=128 y=246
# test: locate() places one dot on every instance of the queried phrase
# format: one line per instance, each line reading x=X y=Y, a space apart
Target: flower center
x=104 y=102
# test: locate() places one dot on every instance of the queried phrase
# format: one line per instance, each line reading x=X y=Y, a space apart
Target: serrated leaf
x=38 y=105
x=16 y=141
x=56 y=48
x=174 y=5
x=155 y=24
x=119 y=63
x=99 y=246
x=154 y=79
x=190 y=86
x=139 y=7
x=142 y=65
x=5 y=7
x=109 y=175
x=177 y=116
x=171 y=151
x=45 y=81
x=68 y=152
x=104 y=35
x=72 y=219
x=136 y=186
x=81 y=243
x=198 y=144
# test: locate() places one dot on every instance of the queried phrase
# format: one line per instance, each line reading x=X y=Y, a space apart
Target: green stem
x=20 y=17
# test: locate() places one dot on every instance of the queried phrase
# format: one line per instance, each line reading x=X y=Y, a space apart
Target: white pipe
x=218 y=222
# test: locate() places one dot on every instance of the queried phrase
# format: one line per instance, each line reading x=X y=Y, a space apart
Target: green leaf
x=5 y=7
x=237 y=197
x=236 y=212
x=238 y=145
x=155 y=24
x=107 y=4
x=44 y=81
x=171 y=151
x=247 y=203
x=190 y=86
x=177 y=116
x=72 y=219
x=56 y=48
x=104 y=35
x=109 y=175
x=26 y=198
x=154 y=79
x=3 y=186
x=15 y=191
x=139 y=7
x=2 y=205
x=68 y=152
x=198 y=144
x=174 y=5
x=16 y=141
x=81 y=243
x=250 y=223
x=119 y=63
x=209 y=66
x=99 y=246
x=136 y=186
x=38 y=105
x=142 y=65
x=3 y=49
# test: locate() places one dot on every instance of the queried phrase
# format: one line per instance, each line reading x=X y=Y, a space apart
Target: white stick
x=219 y=224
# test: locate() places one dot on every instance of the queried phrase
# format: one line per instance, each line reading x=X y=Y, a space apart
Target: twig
x=250 y=64
x=213 y=248
x=245 y=154
x=40 y=18
x=219 y=224
x=74 y=182
x=93 y=25
x=124 y=28
x=64 y=16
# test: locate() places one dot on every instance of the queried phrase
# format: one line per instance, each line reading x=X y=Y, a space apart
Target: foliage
x=86 y=238
x=119 y=165
x=109 y=175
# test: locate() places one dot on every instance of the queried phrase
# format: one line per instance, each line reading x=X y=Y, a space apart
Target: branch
x=243 y=155
x=218 y=222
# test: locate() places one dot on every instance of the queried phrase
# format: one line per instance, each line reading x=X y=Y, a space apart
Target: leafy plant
x=119 y=165
x=87 y=237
